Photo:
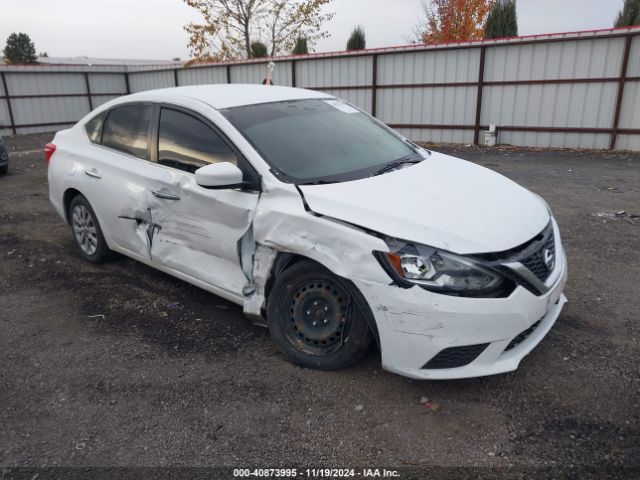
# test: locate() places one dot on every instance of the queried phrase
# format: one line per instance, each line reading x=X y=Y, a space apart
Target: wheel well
x=285 y=260
x=280 y=264
x=68 y=196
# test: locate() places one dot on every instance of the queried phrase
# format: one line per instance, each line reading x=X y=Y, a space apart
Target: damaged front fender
x=282 y=225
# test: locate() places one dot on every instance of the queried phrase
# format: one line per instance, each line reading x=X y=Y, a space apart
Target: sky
x=152 y=29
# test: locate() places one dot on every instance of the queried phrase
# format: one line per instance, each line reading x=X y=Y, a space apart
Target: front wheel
x=86 y=230
x=315 y=318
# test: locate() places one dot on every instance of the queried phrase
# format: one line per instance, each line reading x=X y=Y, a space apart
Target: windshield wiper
x=317 y=182
x=396 y=163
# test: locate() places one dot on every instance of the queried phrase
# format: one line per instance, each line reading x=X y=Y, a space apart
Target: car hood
x=443 y=201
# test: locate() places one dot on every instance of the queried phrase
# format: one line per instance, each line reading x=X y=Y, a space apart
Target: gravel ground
x=121 y=365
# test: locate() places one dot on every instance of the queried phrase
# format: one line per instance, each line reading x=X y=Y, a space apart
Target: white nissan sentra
x=320 y=221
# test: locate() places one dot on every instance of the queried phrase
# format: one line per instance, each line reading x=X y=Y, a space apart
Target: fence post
x=476 y=126
x=126 y=83
x=175 y=77
x=86 y=82
x=374 y=85
x=293 y=73
x=228 y=73
x=8 y=98
x=621 y=82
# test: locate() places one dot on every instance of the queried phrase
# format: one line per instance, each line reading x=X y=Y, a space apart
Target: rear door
x=198 y=229
x=119 y=172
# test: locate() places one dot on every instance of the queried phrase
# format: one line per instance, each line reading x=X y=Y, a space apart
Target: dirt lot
x=121 y=365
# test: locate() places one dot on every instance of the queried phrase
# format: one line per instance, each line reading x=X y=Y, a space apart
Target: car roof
x=228 y=95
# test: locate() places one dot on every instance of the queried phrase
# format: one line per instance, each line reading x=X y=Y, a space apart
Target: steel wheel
x=318 y=316
x=84 y=229
x=317 y=319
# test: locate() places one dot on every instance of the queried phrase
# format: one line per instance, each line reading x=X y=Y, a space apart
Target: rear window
x=126 y=129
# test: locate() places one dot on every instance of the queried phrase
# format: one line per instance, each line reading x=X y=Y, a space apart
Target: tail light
x=49 y=148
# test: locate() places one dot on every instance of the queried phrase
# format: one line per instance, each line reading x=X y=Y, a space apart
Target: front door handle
x=165 y=196
x=92 y=173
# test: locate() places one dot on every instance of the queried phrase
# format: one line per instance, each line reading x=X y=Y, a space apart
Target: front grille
x=522 y=336
x=531 y=255
x=536 y=261
x=454 y=357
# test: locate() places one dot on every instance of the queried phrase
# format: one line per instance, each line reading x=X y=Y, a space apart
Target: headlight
x=442 y=272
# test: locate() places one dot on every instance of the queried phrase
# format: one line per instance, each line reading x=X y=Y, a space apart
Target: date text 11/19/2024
x=315 y=473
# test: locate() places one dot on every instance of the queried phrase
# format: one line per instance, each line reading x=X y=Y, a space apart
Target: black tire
x=4 y=169
x=317 y=319
x=80 y=204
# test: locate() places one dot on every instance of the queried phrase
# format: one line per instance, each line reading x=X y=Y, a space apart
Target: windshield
x=318 y=140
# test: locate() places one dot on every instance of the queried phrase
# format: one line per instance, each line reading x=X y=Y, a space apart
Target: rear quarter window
x=126 y=129
x=94 y=127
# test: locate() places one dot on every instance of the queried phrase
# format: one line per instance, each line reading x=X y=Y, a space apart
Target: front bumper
x=415 y=325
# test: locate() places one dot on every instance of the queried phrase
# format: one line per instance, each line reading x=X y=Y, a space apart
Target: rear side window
x=186 y=143
x=94 y=127
x=126 y=129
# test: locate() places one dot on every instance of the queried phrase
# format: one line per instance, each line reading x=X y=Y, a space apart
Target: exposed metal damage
x=145 y=227
x=263 y=258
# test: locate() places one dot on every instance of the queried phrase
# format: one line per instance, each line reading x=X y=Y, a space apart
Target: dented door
x=198 y=233
x=191 y=229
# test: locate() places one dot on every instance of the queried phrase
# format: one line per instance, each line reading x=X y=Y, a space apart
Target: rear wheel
x=315 y=319
x=4 y=169
x=86 y=230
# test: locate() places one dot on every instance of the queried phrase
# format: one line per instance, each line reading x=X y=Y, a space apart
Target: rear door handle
x=165 y=196
x=92 y=173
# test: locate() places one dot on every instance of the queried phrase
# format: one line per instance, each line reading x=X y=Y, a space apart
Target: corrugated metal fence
x=578 y=90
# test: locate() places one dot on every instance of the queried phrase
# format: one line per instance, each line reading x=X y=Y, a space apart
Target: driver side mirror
x=219 y=175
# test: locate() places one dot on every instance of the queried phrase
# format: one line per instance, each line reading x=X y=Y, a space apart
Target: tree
x=229 y=25
x=357 y=40
x=20 y=49
x=629 y=15
x=452 y=20
x=258 y=50
x=502 y=20
x=301 y=47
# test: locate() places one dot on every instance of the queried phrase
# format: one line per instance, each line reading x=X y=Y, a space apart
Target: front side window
x=186 y=143
x=126 y=128
x=318 y=139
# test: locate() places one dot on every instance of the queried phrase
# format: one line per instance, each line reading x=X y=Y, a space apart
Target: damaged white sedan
x=321 y=222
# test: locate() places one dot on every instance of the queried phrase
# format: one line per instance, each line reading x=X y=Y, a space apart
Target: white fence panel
x=139 y=82
x=46 y=83
x=555 y=140
x=544 y=61
x=4 y=118
x=98 y=100
x=443 y=66
x=433 y=105
x=107 y=83
x=334 y=72
x=28 y=111
x=202 y=75
x=437 y=135
x=585 y=105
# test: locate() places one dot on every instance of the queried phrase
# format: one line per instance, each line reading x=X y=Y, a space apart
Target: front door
x=194 y=230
